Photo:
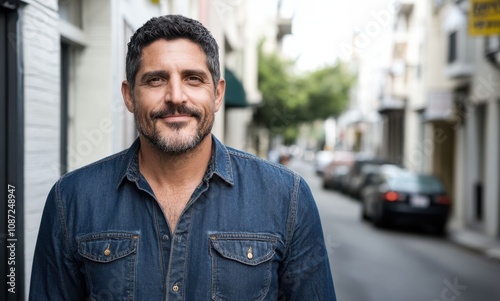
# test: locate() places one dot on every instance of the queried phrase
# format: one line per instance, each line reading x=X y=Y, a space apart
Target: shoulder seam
x=244 y=155
x=292 y=213
x=62 y=216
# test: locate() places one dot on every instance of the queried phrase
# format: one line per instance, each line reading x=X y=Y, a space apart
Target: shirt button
x=175 y=288
x=107 y=252
x=165 y=237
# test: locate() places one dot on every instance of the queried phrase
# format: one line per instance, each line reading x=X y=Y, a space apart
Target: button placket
x=178 y=255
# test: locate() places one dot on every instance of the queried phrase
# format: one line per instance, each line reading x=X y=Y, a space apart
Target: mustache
x=175 y=109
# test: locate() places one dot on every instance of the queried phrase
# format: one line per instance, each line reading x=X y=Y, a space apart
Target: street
x=392 y=264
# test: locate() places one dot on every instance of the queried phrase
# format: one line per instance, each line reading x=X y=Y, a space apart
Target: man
x=179 y=216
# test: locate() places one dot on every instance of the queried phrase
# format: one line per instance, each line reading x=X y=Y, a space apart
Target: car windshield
x=341 y=170
x=370 y=168
x=421 y=184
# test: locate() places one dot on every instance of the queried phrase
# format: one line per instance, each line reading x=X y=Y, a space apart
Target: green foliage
x=327 y=92
x=275 y=82
x=290 y=100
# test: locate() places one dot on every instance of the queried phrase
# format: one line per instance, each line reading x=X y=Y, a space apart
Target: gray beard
x=170 y=146
x=175 y=149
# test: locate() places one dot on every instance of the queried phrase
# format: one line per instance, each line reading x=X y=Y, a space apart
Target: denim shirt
x=251 y=231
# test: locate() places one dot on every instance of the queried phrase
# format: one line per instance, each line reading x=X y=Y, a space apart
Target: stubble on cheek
x=144 y=125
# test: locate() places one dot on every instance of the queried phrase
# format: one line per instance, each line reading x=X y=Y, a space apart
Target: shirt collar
x=220 y=163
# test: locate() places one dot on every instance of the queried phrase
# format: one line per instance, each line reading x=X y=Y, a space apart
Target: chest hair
x=173 y=202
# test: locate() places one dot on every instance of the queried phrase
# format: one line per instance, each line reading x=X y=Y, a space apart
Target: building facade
x=446 y=83
x=438 y=106
x=462 y=108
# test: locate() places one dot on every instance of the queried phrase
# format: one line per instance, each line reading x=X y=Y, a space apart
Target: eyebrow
x=165 y=74
x=198 y=72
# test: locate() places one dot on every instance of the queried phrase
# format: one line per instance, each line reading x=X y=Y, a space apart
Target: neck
x=174 y=169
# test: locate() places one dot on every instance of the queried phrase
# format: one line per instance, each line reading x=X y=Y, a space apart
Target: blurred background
x=408 y=87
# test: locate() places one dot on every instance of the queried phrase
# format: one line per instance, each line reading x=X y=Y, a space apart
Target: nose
x=175 y=91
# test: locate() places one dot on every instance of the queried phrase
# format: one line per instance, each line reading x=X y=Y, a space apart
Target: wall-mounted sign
x=484 y=17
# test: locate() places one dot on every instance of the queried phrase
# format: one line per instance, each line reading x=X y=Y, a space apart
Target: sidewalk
x=476 y=241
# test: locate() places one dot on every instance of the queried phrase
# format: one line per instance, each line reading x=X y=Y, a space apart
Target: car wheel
x=379 y=221
x=325 y=185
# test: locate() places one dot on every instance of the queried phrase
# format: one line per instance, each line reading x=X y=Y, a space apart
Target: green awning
x=235 y=93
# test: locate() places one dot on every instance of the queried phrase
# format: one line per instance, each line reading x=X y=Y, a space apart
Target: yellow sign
x=484 y=17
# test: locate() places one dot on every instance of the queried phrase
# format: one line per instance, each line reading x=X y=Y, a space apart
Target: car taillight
x=391 y=196
x=443 y=200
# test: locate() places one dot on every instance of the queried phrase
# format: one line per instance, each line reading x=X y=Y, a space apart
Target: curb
x=477 y=242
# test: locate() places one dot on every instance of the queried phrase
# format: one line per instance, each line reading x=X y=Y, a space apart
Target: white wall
x=90 y=113
x=100 y=123
x=132 y=14
x=41 y=51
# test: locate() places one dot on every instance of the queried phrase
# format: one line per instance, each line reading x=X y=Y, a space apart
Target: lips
x=177 y=117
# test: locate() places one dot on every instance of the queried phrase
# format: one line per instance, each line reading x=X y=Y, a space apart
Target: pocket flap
x=250 y=249
x=106 y=247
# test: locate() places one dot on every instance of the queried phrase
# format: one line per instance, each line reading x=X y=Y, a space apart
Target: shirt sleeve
x=305 y=273
x=55 y=274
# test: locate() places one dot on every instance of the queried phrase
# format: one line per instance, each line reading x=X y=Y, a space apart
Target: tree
x=279 y=100
x=327 y=92
x=289 y=100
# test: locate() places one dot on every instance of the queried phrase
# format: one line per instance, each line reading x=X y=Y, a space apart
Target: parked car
x=353 y=179
x=338 y=168
x=368 y=174
x=333 y=177
x=321 y=160
x=406 y=198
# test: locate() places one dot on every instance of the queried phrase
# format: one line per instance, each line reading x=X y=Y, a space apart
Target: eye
x=155 y=81
x=193 y=79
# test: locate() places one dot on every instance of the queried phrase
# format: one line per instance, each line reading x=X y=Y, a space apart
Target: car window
x=370 y=168
x=421 y=184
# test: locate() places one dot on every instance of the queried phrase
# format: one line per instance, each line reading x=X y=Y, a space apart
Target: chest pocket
x=109 y=264
x=241 y=265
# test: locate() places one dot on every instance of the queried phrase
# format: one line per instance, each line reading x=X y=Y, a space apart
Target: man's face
x=174 y=99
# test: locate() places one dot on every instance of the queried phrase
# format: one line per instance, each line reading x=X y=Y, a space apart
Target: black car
x=406 y=198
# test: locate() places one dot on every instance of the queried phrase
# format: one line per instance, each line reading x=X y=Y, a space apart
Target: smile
x=177 y=118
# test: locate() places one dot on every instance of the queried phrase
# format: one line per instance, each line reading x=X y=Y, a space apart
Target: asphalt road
x=370 y=264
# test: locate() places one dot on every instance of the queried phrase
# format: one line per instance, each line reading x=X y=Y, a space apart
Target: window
x=452 y=47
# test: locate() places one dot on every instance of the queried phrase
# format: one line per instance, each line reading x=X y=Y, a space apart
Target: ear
x=219 y=93
x=127 y=96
